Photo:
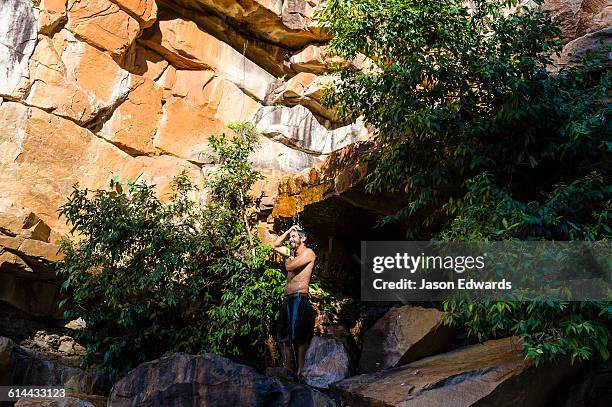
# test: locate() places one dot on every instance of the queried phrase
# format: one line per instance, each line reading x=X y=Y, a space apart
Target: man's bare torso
x=300 y=260
x=298 y=280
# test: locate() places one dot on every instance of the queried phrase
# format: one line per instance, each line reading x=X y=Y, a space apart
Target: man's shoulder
x=311 y=252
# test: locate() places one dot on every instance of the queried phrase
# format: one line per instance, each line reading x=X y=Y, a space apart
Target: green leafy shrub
x=152 y=278
x=487 y=139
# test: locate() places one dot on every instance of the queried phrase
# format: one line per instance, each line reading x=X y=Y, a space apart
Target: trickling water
x=298 y=209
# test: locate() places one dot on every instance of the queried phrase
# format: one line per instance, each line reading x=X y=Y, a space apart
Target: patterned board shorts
x=296 y=320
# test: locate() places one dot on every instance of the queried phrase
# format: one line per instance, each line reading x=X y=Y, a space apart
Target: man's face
x=294 y=239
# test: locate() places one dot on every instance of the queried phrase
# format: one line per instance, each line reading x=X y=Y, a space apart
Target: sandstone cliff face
x=96 y=88
x=91 y=89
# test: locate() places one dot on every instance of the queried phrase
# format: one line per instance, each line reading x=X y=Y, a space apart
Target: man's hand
x=278 y=243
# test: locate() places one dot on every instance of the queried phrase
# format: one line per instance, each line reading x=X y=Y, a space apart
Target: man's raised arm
x=278 y=243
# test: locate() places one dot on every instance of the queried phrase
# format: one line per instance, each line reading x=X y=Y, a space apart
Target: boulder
x=61 y=348
x=494 y=373
x=576 y=49
x=31 y=368
x=580 y=17
x=403 y=335
x=207 y=380
x=298 y=128
x=326 y=361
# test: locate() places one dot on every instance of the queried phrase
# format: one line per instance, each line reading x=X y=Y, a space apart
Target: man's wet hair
x=301 y=233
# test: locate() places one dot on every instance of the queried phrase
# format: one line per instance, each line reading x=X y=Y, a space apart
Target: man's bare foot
x=301 y=378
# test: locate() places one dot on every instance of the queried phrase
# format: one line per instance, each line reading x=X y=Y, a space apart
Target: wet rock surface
x=187 y=380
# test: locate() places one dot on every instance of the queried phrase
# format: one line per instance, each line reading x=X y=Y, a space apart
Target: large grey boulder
x=402 y=335
x=326 y=362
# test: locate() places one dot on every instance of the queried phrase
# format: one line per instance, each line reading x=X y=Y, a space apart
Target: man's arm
x=278 y=243
x=300 y=261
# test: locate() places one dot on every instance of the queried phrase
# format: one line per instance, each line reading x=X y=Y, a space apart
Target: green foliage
x=578 y=211
x=330 y=305
x=549 y=328
x=487 y=139
x=152 y=278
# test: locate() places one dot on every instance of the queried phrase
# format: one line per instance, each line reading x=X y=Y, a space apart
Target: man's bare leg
x=301 y=355
x=286 y=353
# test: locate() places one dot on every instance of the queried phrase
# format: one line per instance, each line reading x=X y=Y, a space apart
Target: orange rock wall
x=95 y=88
x=90 y=89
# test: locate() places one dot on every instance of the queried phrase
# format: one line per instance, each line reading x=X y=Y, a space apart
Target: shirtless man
x=296 y=323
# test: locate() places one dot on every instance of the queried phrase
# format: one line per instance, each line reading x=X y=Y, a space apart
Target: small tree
x=150 y=278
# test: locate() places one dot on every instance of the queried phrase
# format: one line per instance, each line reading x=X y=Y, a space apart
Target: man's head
x=297 y=237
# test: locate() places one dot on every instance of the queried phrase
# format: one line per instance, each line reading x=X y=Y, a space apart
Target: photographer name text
x=423 y=284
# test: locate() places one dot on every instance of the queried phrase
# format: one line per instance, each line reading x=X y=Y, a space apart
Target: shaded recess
x=333 y=207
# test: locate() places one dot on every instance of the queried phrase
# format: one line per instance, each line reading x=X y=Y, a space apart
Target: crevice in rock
x=59 y=25
x=271 y=57
x=104 y=114
x=126 y=149
x=458 y=378
x=188 y=8
x=279 y=138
